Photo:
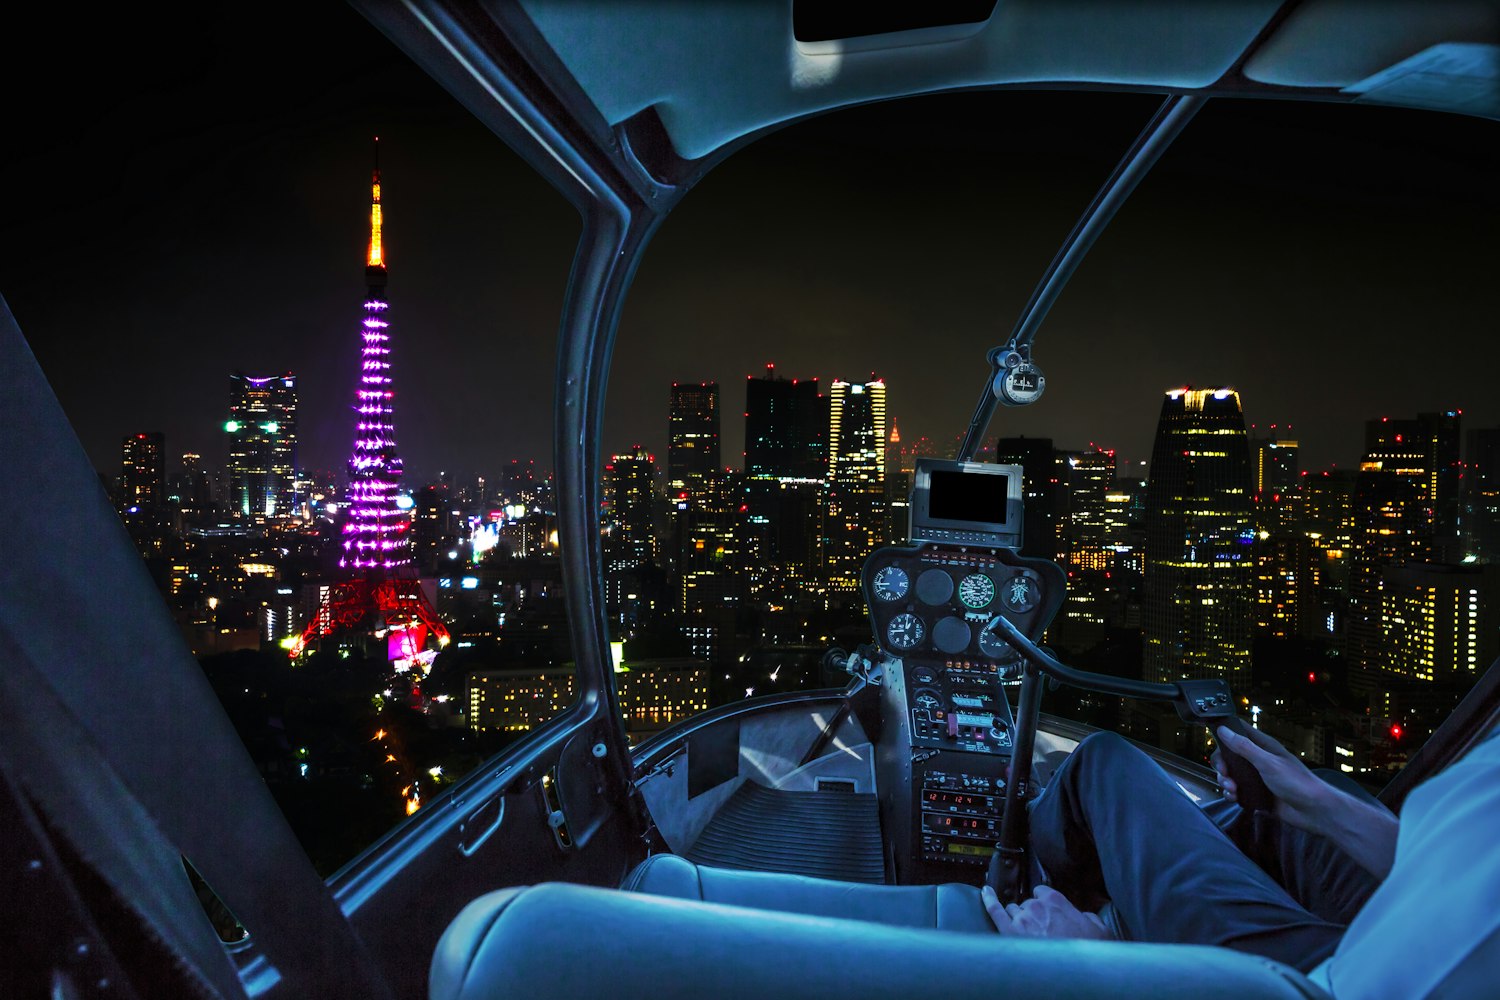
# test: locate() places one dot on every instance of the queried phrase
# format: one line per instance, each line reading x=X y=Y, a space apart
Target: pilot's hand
x=1299 y=794
x=1046 y=914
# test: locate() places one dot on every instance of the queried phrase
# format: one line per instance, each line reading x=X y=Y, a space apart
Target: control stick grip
x=1250 y=788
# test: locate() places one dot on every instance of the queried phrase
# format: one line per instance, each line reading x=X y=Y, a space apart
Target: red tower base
x=397 y=606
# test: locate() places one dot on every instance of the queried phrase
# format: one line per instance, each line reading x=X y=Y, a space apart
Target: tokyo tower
x=381 y=595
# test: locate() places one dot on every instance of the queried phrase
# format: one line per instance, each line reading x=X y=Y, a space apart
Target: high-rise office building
x=692 y=434
x=1088 y=478
x=1274 y=464
x=1199 y=574
x=1326 y=513
x=434 y=527
x=143 y=471
x=190 y=488
x=708 y=534
x=1435 y=620
x=1405 y=510
x=1482 y=496
x=1045 y=492
x=856 y=516
x=628 y=518
x=786 y=472
x=262 y=429
x=703 y=503
x=1282 y=555
x=786 y=428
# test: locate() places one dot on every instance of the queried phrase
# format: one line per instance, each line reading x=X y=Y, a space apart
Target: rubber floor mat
x=832 y=835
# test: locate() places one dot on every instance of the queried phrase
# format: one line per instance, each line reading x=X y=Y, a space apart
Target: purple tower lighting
x=382 y=586
x=376 y=532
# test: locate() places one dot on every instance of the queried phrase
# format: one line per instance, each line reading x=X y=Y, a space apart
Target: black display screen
x=971 y=497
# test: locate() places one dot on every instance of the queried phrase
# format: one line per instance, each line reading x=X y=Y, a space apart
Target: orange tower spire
x=376 y=256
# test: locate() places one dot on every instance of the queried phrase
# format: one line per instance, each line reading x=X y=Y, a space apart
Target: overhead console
x=948 y=726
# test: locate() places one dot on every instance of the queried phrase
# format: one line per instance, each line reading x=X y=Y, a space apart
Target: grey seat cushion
x=563 y=940
x=951 y=907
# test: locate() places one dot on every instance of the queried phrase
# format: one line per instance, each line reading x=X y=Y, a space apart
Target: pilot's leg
x=1313 y=869
x=1111 y=824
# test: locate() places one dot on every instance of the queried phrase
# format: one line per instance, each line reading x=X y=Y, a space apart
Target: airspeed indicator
x=976 y=591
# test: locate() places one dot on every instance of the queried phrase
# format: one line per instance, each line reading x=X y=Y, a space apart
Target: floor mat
x=832 y=835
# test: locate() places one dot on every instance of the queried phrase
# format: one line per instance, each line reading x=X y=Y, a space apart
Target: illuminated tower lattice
x=382 y=595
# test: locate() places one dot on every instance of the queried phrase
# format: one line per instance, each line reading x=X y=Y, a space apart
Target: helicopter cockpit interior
x=814 y=843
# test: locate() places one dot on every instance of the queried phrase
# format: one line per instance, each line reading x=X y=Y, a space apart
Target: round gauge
x=976 y=591
x=891 y=584
x=951 y=635
x=1020 y=594
x=995 y=648
x=905 y=631
x=934 y=587
x=924 y=676
x=928 y=700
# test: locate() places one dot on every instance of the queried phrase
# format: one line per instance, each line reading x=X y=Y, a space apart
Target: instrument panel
x=949 y=750
x=957 y=705
x=933 y=600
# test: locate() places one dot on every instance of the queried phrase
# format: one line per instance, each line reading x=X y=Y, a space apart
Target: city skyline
x=900 y=240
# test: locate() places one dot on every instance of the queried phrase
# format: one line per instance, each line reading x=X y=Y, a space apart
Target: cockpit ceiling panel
x=1337 y=43
x=716 y=70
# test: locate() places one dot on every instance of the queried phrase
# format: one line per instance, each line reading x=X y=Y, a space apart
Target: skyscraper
x=1045 y=494
x=786 y=472
x=1284 y=599
x=262 y=429
x=786 y=428
x=1482 y=496
x=629 y=510
x=1327 y=517
x=1275 y=468
x=143 y=471
x=1199 y=573
x=856 y=516
x=1088 y=478
x=1405 y=511
x=703 y=503
x=692 y=434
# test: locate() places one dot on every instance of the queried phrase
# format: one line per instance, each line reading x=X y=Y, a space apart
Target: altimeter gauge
x=891 y=584
x=995 y=648
x=905 y=631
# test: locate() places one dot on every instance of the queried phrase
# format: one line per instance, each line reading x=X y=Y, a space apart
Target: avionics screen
x=975 y=496
x=978 y=850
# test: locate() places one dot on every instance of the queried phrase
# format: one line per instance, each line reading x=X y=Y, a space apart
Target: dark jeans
x=1111 y=825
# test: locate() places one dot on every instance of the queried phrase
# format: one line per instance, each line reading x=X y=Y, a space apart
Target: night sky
x=187 y=198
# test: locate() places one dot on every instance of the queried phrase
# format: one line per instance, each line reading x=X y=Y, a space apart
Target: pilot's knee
x=1107 y=751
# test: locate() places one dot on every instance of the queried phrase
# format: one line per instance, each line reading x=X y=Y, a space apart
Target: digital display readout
x=973 y=496
x=979 y=850
x=968 y=825
x=963 y=800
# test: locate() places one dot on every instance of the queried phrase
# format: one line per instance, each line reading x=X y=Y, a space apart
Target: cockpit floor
x=826 y=834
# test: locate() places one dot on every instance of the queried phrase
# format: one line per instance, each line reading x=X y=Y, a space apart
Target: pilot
x=1329 y=881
